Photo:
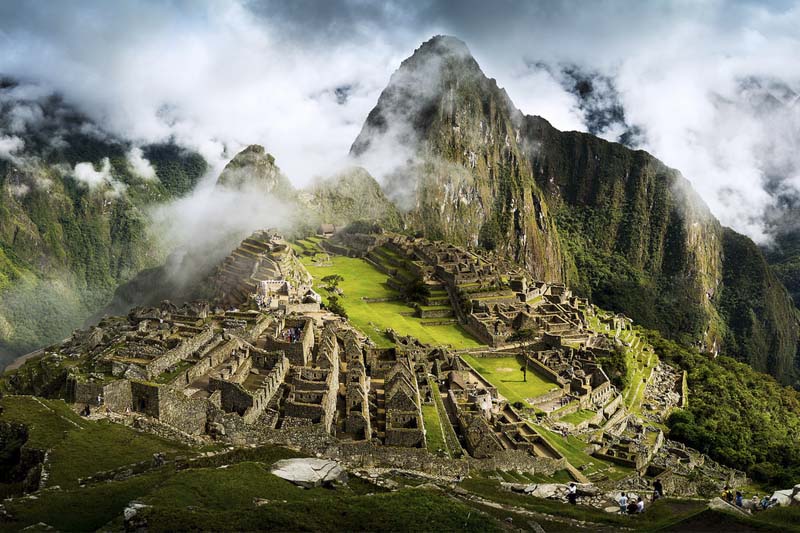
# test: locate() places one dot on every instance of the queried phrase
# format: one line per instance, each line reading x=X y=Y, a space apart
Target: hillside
x=617 y=224
x=66 y=243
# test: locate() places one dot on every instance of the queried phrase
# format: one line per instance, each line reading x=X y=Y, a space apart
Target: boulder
x=784 y=497
x=310 y=472
x=718 y=504
x=545 y=490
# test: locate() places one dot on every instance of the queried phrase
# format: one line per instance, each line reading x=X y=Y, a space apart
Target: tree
x=332 y=282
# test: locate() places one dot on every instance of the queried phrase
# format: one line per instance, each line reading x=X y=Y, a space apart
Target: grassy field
x=505 y=374
x=362 y=280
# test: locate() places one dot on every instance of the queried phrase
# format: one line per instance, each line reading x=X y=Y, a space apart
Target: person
x=727 y=495
x=633 y=507
x=755 y=499
x=640 y=505
x=739 y=502
x=623 y=503
x=765 y=502
x=659 y=488
x=572 y=495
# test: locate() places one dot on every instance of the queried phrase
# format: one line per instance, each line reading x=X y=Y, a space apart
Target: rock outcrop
x=310 y=472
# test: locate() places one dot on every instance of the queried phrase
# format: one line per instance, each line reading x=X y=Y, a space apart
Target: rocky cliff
x=617 y=224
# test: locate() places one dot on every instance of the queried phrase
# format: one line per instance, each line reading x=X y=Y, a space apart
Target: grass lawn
x=80 y=447
x=433 y=429
x=363 y=280
x=505 y=374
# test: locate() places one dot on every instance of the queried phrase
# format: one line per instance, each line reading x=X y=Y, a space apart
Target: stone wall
x=145 y=398
x=178 y=354
x=183 y=413
x=117 y=396
x=85 y=392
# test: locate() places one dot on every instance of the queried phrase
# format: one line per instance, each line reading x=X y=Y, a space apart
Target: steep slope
x=65 y=242
x=350 y=195
x=255 y=169
x=617 y=224
x=469 y=181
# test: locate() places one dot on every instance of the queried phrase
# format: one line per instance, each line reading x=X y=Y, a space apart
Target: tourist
x=754 y=502
x=623 y=503
x=739 y=502
x=572 y=495
x=659 y=488
x=765 y=502
x=640 y=505
x=633 y=507
x=727 y=495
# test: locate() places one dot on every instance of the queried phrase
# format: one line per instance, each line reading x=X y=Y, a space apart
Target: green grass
x=363 y=280
x=505 y=374
x=578 y=416
x=668 y=513
x=449 y=434
x=80 y=447
x=574 y=451
x=434 y=435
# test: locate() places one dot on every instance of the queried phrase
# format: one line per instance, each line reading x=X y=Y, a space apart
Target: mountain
x=352 y=194
x=617 y=224
x=72 y=221
x=255 y=169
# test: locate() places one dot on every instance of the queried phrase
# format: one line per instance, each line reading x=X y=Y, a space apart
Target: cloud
x=89 y=176
x=300 y=77
x=140 y=165
x=9 y=145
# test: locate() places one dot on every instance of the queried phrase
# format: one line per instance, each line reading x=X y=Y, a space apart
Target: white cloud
x=140 y=165
x=88 y=175
x=9 y=145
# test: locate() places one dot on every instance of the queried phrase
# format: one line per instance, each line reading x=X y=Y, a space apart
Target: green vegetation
x=434 y=434
x=578 y=416
x=361 y=280
x=762 y=320
x=79 y=447
x=64 y=248
x=505 y=373
x=740 y=417
x=452 y=445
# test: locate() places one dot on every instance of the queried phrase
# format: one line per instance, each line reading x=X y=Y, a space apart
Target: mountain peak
x=254 y=167
x=444 y=45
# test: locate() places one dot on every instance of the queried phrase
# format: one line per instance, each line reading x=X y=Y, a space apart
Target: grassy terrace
x=434 y=435
x=639 y=360
x=574 y=451
x=505 y=373
x=362 y=280
x=79 y=447
x=578 y=416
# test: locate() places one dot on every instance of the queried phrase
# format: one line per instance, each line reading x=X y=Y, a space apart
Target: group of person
x=635 y=505
x=630 y=505
x=291 y=334
x=627 y=505
x=755 y=504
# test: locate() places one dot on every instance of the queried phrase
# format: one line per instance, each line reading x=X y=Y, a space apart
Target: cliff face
x=617 y=224
x=468 y=181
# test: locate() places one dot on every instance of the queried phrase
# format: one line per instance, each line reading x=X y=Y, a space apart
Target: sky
x=710 y=86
